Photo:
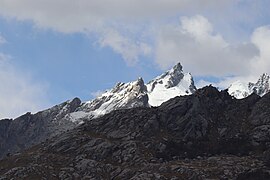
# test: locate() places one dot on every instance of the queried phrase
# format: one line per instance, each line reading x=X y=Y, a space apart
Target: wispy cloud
x=125 y=46
x=18 y=92
x=97 y=93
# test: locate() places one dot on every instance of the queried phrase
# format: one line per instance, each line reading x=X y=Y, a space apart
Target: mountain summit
x=138 y=94
x=241 y=90
x=170 y=84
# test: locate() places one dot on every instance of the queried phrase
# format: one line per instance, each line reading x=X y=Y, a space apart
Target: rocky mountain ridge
x=206 y=135
x=138 y=94
x=31 y=129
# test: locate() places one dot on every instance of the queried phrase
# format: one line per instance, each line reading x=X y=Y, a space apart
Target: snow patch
x=241 y=90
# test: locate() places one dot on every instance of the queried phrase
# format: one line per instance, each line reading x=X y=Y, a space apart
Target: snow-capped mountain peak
x=170 y=78
x=136 y=94
x=241 y=90
x=261 y=87
x=170 y=84
x=70 y=114
x=123 y=95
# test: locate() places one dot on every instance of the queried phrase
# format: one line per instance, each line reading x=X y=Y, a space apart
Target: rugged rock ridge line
x=138 y=94
x=206 y=135
x=122 y=96
x=31 y=129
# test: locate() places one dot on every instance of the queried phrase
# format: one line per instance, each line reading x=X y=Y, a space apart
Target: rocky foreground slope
x=207 y=135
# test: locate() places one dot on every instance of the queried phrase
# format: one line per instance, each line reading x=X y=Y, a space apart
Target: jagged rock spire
x=170 y=84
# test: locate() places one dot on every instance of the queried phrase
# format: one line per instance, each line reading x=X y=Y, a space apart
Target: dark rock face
x=207 y=135
x=30 y=129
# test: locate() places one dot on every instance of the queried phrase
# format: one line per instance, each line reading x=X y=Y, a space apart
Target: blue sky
x=71 y=63
x=54 y=50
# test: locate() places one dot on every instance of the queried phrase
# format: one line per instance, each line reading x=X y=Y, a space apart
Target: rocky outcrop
x=30 y=129
x=207 y=135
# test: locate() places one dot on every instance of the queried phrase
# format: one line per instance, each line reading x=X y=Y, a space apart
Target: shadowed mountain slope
x=208 y=134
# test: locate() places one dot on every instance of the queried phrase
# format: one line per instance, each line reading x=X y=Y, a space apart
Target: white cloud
x=130 y=49
x=102 y=16
x=201 y=83
x=261 y=38
x=197 y=26
x=259 y=64
x=18 y=93
x=201 y=50
x=206 y=53
x=74 y=16
x=97 y=93
x=122 y=25
x=226 y=82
